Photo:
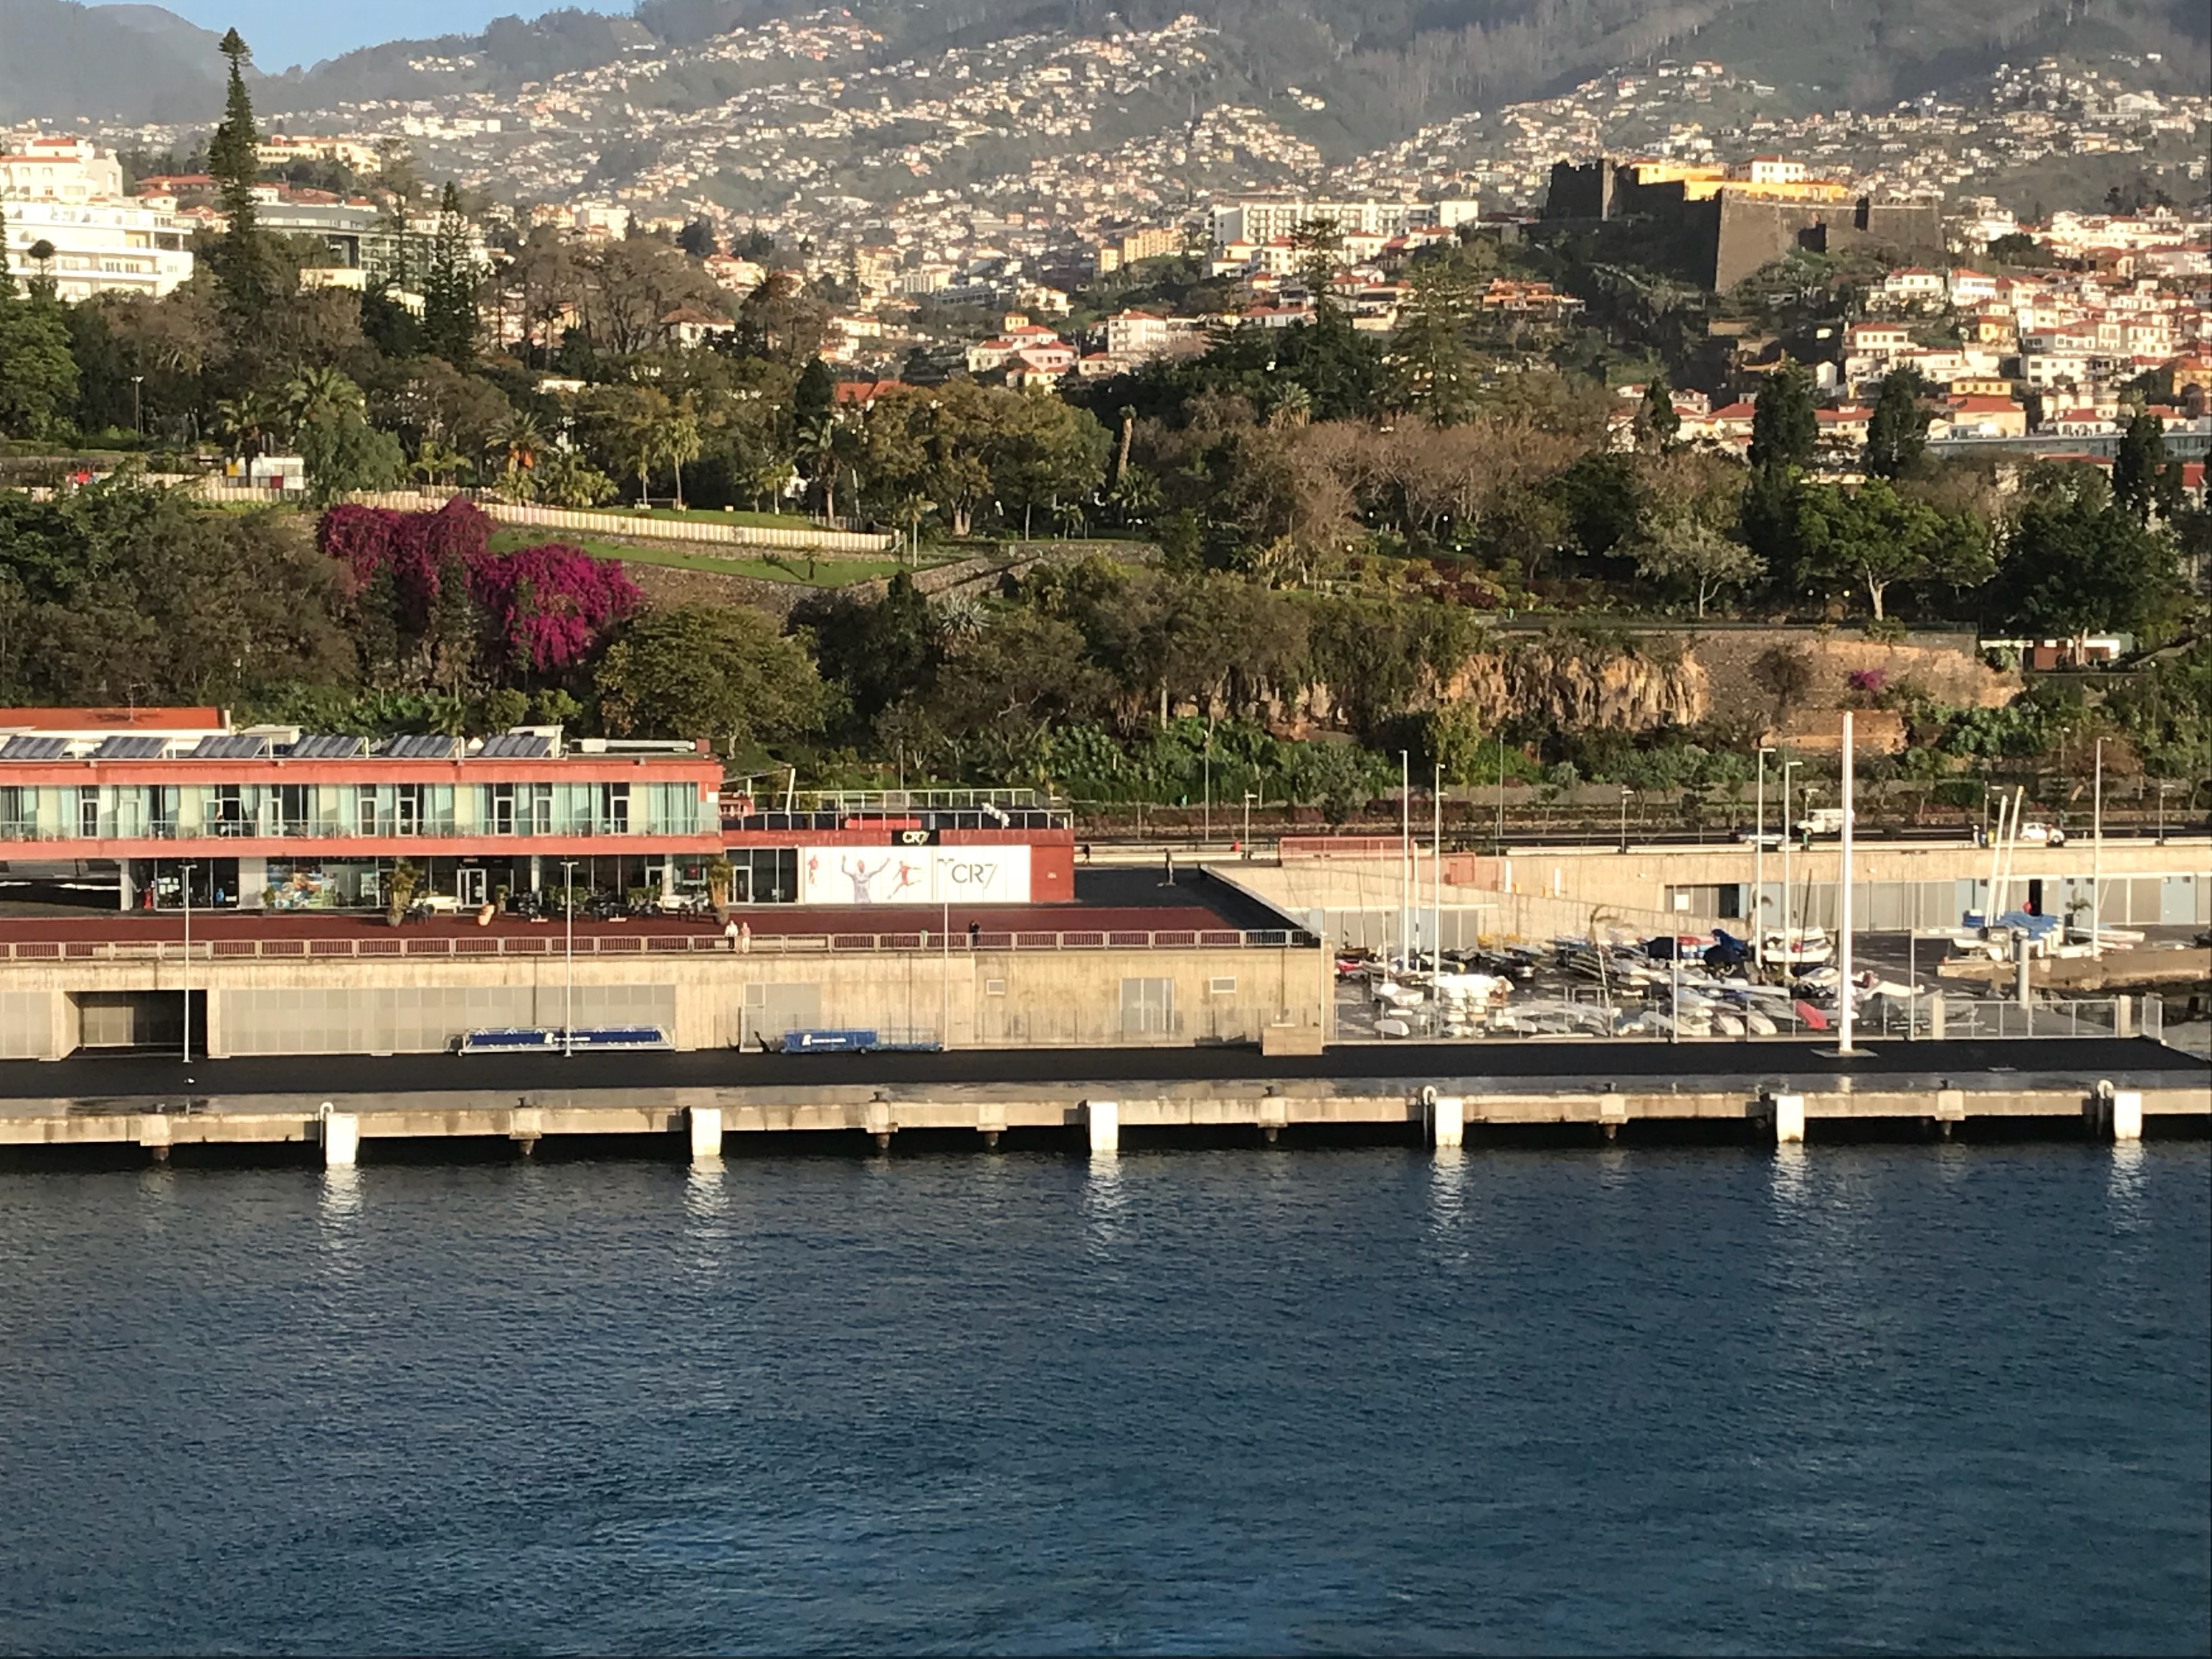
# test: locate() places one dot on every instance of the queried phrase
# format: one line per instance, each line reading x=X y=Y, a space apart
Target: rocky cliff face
x=1574 y=686
x=1579 y=688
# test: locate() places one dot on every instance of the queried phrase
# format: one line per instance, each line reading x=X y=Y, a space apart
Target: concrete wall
x=370 y=1005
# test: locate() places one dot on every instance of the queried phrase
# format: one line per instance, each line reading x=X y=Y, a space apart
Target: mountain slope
x=60 y=59
x=1381 y=67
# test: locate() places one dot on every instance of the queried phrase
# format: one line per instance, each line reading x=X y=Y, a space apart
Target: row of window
x=164 y=812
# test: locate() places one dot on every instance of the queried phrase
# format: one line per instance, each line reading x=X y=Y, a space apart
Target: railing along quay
x=504 y=945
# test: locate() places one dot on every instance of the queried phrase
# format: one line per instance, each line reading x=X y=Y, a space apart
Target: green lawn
x=780 y=567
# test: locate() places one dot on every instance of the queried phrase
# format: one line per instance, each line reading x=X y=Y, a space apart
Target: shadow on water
x=1071 y=1142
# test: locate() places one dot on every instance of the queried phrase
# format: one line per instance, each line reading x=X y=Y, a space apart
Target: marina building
x=122 y=807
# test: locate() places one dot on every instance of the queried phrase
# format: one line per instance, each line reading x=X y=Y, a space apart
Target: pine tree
x=1431 y=365
x=449 y=286
x=241 y=262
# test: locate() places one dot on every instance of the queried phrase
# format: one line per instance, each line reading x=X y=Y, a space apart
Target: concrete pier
x=696 y=1121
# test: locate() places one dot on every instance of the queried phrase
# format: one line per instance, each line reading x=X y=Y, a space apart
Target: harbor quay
x=703 y=1107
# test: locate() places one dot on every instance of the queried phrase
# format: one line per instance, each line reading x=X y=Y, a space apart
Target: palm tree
x=1135 y=496
x=435 y=462
x=817 y=455
x=318 y=394
x=246 y=420
x=633 y=423
x=676 y=441
x=769 y=479
x=516 y=444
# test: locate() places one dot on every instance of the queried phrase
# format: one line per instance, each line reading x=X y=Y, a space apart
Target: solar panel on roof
x=515 y=745
x=234 y=747
x=140 y=748
x=324 y=746
x=23 y=748
x=421 y=748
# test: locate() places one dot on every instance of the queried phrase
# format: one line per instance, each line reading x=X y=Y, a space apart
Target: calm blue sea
x=1858 y=1399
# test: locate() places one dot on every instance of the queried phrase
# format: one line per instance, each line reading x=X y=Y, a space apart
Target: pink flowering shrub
x=548 y=606
x=544 y=608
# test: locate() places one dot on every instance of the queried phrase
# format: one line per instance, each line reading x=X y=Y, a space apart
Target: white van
x=1822 y=821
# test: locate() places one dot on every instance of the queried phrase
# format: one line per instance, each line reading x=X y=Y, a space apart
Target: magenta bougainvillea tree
x=547 y=607
x=544 y=609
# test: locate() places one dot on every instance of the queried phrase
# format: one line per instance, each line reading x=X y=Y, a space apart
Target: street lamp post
x=568 y=952
x=1205 y=832
x=1787 y=766
x=137 y=421
x=1624 y=792
x=1248 y=799
x=188 y=962
x=1758 y=873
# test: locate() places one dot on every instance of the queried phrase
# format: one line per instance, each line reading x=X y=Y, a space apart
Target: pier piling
x=341 y=1139
x=1104 y=1117
x=1447 y=1121
x=1788 y=1119
x=706 y=1126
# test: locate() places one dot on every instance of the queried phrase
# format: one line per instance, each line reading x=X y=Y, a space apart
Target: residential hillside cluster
x=2116 y=297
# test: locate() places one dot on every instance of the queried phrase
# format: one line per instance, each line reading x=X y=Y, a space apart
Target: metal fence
x=399 y=944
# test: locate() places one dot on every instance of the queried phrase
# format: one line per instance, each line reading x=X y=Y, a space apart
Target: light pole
x=1625 y=792
x=1436 y=869
x=137 y=422
x=1499 y=835
x=568 y=953
x=1847 y=1002
x=1758 y=873
x=187 y=884
x=1248 y=799
x=1405 y=854
x=2162 y=787
x=1206 y=831
x=1787 y=766
x=2097 y=860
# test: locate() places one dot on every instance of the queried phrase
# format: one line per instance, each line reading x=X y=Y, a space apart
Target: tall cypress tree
x=1783 y=428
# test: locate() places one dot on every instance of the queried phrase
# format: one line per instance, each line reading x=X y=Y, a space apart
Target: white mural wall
x=914 y=875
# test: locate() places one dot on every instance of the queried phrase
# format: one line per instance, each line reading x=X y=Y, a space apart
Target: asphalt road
x=1579 y=1064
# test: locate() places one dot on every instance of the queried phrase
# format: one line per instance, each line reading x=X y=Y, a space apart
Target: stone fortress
x=1728 y=221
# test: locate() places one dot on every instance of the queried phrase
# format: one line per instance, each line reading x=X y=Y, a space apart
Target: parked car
x=1769 y=839
x=2032 y=833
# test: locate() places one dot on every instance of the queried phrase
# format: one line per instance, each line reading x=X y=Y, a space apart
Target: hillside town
x=963 y=276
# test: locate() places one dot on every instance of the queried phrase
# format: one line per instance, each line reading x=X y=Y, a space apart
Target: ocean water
x=1853 y=1397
